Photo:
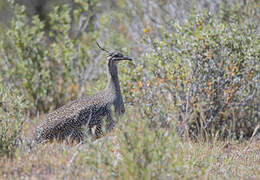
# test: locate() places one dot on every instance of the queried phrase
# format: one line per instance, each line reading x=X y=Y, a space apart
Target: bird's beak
x=123 y=58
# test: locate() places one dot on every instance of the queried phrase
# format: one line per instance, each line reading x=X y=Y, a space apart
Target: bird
x=69 y=120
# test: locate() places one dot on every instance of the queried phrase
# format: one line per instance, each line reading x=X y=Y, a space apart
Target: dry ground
x=215 y=160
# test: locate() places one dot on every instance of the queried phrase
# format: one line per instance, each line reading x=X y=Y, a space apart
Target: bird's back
x=73 y=115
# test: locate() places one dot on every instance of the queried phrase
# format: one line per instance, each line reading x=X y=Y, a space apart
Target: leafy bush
x=12 y=117
x=41 y=63
x=203 y=74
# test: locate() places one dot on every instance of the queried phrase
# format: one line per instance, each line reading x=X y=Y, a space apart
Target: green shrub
x=42 y=63
x=202 y=75
x=209 y=71
x=12 y=117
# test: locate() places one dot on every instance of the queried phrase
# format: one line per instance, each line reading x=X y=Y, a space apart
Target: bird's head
x=114 y=57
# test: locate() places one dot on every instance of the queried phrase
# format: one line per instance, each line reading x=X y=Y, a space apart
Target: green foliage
x=12 y=116
x=204 y=74
x=38 y=62
x=137 y=152
x=144 y=149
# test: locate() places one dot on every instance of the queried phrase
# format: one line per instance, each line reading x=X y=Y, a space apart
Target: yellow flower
x=147 y=30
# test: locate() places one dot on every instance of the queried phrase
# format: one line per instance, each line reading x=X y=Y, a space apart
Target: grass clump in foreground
x=135 y=151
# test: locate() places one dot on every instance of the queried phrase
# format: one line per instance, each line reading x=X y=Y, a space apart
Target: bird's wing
x=70 y=111
x=60 y=115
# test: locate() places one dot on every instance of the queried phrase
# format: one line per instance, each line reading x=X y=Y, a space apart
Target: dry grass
x=106 y=159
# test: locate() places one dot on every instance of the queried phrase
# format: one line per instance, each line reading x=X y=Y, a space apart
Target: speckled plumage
x=68 y=120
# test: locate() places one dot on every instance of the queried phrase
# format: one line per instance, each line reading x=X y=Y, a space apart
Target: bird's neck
x=113 y=81
x=113 y=89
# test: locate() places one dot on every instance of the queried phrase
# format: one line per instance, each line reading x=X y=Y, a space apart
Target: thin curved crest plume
x=102 y=48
